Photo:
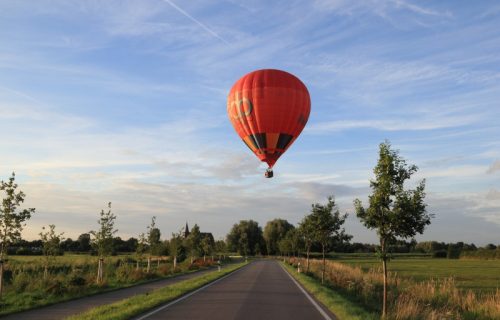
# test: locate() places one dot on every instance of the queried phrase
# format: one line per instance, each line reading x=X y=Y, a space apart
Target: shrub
x=439 y=254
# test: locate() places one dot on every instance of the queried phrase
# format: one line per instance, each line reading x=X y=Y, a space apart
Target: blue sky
x=125 y=101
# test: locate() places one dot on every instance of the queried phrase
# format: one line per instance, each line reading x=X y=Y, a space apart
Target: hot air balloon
x=268 y=109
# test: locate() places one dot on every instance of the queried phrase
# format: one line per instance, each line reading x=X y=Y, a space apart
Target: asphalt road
x=262 y=290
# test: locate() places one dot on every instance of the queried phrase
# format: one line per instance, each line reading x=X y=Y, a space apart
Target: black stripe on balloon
x=259 y=140
x=283 y=141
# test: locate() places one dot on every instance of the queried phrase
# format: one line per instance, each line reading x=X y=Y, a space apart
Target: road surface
x=261 y=290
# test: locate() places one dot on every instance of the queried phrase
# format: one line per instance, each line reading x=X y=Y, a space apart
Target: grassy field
x=477 y=275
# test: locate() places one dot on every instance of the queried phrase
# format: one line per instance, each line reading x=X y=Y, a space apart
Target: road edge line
x=158 y=309
x=311 y=299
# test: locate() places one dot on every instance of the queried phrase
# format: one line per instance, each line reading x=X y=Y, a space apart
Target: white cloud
x=494 y=167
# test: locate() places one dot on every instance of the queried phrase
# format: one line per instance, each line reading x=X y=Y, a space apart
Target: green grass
x=138 y=304
x=477 y=275
x=340 y=305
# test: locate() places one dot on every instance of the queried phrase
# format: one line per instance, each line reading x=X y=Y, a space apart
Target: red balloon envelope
x=268 y=109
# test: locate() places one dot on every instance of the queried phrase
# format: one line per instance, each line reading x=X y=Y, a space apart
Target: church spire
x=186 y=231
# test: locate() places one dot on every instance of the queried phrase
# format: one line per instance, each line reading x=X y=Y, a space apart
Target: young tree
x=307 y=232
x=393 y=211
x=176 y=247
x=140 y=249
x=221 y=248
x=51 y=246
x=327 y=222
x=11 y=218
x=193 y=242
x=153 y=241
x=207 y=246
x=103 y=239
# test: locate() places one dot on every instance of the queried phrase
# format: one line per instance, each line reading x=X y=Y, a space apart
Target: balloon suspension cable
x=269 y=173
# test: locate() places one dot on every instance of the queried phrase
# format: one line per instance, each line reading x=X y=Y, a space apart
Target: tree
x=153 y=241
x=84 y=242
x=207 y=246
x=11 y=218
x=175 y=247
x=327 y=222
x=307 y=232
x=193 y=242
x=51 y=246
x=220 y=248
x=295 y=240
x=393 y=211
x=140 y=249
x=274 y=231
x=103 y=239
x=246 y=238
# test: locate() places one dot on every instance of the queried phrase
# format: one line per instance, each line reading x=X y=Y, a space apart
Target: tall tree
x=295 y=239
x=274 y=231
x=246 y=238
x=103 y=239
x=393 y=211
x=327 y=222
x=12 y=219
x=51 y=246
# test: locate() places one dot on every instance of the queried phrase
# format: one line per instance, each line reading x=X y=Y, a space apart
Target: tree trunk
x=384 y=301
x=1 y=277
x=46 y=272
x=137 y=265
x=324 y=265
x=204 y=258
x=175 y=262
x=158 y=262
x=307 y=260
x=149 y=265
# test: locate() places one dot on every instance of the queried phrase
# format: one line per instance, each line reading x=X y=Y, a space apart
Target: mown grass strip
x=343 y=308
x=127 y=308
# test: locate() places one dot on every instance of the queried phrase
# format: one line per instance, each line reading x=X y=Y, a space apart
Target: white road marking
x=323 y=313
x=188 y=295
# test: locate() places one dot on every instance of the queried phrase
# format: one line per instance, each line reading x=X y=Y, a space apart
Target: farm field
x=477 y=275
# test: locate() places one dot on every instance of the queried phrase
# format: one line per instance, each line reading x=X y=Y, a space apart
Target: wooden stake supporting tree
x=395 y=213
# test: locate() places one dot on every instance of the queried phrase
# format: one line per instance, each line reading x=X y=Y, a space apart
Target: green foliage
x=11 y=220
x=51 y=242
x=246 y=238
x=193 y=242
x=153 y=238
x=393 y=211
x=274 y=231
x=103 y=238
x=327 y=224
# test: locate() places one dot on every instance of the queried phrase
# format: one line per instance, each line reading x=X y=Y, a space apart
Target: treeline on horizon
x=268 y=245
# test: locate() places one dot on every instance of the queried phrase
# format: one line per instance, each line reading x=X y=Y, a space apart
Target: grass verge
x=125 y=309
x=342 y=307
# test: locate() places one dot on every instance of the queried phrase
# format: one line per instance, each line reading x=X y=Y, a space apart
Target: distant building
x=186 y=231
